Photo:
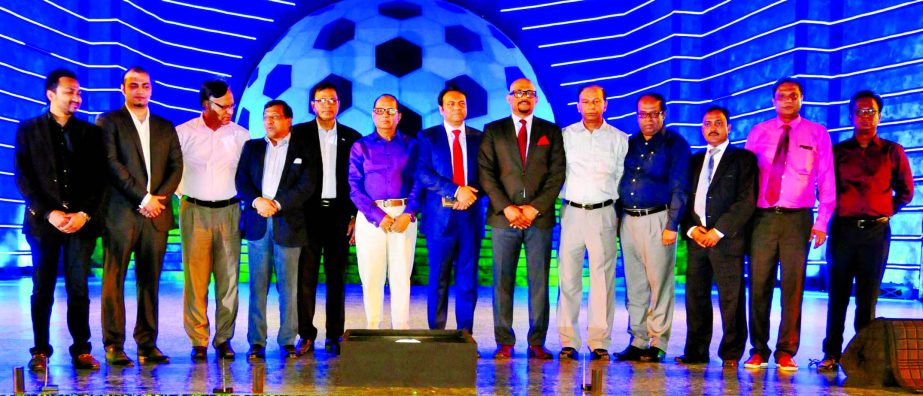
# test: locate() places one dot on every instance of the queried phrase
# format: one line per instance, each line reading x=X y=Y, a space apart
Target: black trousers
x=148 y=245
x=705 y=265
x=327 y=244
x=779 y=239
x=858 y=254
x=46 y=253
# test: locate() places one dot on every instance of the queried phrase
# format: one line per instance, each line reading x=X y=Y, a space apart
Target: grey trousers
x=649 y=278
x=583 y=231
x=211 y=245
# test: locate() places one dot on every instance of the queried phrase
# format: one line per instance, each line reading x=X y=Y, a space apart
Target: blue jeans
x=265 y=256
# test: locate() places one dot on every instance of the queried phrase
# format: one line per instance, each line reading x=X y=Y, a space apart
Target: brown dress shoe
x=304 y=346
x=504 y=352
x=567 y=353
x=116 y=357
x=39 y=362
x=289 y=352
x=85 y=361
x=225 y=351
x=199 y=354
x=539 y=352
x=152 y=355
x=730 y=363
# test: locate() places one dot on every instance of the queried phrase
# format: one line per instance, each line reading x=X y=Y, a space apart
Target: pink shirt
x=809 y=168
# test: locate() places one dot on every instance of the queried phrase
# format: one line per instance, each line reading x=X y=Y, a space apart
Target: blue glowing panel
x=463 y=39
x=475 y=95
x=400 y=10
x=335 y=34
x=411 y=122
x=398 y=57
x=278 y=80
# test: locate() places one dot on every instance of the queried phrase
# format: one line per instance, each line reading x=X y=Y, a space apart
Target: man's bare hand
x=400 y=223
x=57 y=219
x=514 y=215
x=154 y=207
x=75 y=223
x=668 y=237
x=465 y=197
x=386 y=223
x=711 y=238
x=265 y=207
x=818 y=237
x=351 y=231
x=698 y=235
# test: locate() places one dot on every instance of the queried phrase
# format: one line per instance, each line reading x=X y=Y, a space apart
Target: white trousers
x=383 y=254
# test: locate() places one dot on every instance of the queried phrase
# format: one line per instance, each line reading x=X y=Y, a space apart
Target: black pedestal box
x=409 y=358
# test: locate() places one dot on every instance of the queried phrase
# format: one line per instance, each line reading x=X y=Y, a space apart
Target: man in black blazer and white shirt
x=145 y=167
x=724 y=187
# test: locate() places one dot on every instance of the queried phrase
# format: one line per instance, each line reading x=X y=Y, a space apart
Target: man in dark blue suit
x=453 y=217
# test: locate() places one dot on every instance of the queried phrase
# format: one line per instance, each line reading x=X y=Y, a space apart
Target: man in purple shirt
x=795 y=160
x=381 y=181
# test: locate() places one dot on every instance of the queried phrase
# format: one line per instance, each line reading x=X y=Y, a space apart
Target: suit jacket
x=127 y=171
x=507 y=183
x=434 y=171
x=297 y=183
x=731 y=199
x=37 y=169
x=346 y=136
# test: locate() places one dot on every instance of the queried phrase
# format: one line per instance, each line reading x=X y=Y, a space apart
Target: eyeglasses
x=383 y=111
x=866 y=112
x=229 y=107
x=326 y=101
x=523 y=93
x=594 y=102
x=708 y=124
x=273 y=117
x=649 y=115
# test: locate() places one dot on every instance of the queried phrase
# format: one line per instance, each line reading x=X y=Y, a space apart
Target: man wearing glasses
x=873 y=182
x=521 y=167
x=329 y=217
x=795 y=159
x=653 y=190
x=209 y=217
x=382 y=167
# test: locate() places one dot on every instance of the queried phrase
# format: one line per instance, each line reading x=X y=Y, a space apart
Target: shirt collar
x=721 y=147
x=282 y=142
x=528 y=119
x=449 y=129
x=321 y=129
x=135 y=119
x=794 y=123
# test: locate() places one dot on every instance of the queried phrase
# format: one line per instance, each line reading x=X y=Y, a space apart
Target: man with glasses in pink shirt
x=795 y=159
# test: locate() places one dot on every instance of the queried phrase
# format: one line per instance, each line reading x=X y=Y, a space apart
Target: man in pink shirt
x=795 y=159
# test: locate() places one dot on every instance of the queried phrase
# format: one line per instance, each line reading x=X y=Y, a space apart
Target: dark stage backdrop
x=696 y=53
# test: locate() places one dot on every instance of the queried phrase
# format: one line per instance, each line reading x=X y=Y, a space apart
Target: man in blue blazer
x=453 y=216
x=274 y=180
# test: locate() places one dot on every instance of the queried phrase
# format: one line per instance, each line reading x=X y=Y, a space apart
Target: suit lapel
x=443 y=158
x=697 y=164
x=259 y=159
x=129 y=125
x=537 y=133
x=513 y=146
x=723 y=166
x=471 y=143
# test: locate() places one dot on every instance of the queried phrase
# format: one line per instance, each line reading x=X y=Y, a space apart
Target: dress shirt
x=517 y=125
x=328 y=153
x=464 y=146
x=273 y=165
x=701 y=192
x=210 y=159
x=595 y=163
x=656 y=173
x=874 y=181
x=63 y=152
x=144 y=134
x=809 y=166
x=382 y=169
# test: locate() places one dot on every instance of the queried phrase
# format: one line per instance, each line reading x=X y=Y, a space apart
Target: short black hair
x=212 y=89
x=656 y=96
x=862 y=95
x=286 y=109
x=322 y=86
x=447 y=89
x=727 y=114
x=136 y=69
x=51 y=82
x=787 y=80
x=590 y=86
x=388 y=96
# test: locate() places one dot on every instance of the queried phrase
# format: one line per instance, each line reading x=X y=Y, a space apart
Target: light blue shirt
x=273 y=165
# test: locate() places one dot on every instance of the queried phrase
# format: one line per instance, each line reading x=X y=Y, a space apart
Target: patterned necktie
x=774 y=187
x=458 y=162
x=712 y=152
x=523 y=137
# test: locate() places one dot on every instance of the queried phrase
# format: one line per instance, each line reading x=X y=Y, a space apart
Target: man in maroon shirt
x=873 y=182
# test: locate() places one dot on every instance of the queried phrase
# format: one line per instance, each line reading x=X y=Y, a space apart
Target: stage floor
x=312 y=374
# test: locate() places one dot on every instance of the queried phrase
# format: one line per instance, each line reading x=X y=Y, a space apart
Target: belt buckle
x=861 y=223
x=326 y=203
x=777 y=210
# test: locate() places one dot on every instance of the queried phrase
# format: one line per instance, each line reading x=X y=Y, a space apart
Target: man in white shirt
x=595 y=153
x=210 y=217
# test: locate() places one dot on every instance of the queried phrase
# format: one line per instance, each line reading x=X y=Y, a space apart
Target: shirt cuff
x=147 y=198
x=689 y=233
x=717 y=231
x=278 y=205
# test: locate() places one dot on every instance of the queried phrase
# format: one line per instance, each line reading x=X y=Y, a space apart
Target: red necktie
x=778 y=168
x=458 y=161
x=523 y=137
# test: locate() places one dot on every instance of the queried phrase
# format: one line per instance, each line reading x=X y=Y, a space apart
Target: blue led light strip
x=92 y=43
x=155 y=16
x=283 y=2
x=176 y=86
x=554 y=3
x=621 y=14
x=175 y=107
x=9 y=120
x=220 y=11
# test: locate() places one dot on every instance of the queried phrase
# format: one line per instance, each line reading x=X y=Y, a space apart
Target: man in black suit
x=330 y=217
x=145 y=167
x=723 y=180
x=58 y=160
x=521 y=166
x=274 y=181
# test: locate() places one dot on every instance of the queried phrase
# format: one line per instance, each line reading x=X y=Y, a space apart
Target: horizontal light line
x=114 y=44
x=9 y=120
x=100 y=89
x=554 y=3
x=897 y=122
x=155 y=16
x=9 y=146
x=176 y=86
x=284 y=2
x=22 y=97
x=913 y=150
x=21 y=70
x=10 y=225
x=218 y=11
x=21 y=253
x=621 y=14
x=12 y=39
x=95 y=20
x=175 y=107
x=12 y=200
x=5 y=173
x=87 y=65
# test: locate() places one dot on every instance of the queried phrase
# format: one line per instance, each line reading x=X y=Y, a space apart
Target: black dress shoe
x=257 y=352
x=199 y=354
x=632 y=353
x=225 y=351
x=691 y=359
x=599 y=354
x=116 y=356
x=567 y=353
x=304 y=346
x=333 y=346
x=39 y=362
x=152 y=355
x=289 y=352
x=85 y=361
x=653 y=355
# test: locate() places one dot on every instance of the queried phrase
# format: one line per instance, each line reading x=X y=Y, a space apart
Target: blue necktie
x=711 y=162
